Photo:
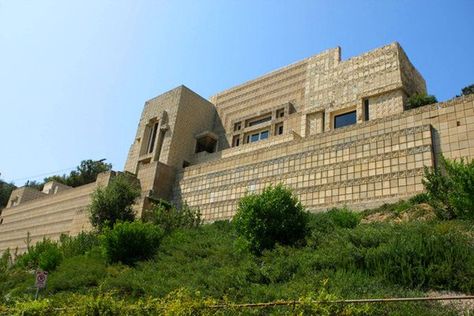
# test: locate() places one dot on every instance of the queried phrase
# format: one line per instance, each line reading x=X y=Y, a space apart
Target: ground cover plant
x=395 y=250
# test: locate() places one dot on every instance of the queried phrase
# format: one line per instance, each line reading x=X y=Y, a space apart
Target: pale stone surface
x=185 y=149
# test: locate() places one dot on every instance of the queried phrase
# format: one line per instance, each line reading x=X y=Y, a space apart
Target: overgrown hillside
x=180 y=266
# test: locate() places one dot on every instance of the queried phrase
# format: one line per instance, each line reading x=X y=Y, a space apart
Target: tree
x=34 y=184
x=114 y=202
x=421 y=99
x=168 y=217
x=274 y=216
x=468 y=90
x=131 y=242
x=5 y=192
x=85 y=173
x=450 y=188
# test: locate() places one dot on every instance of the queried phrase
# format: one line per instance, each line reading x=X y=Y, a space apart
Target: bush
x=114 y=202
x=169 y=217
x=468 y=90
x=274 y=216
x=418 y=255
x=419 y=198
x=421 y=99
x=78 y=272
x=343 y=217
x=45 y=255
x=131 y=242
x=78 y=245
x=450 y=188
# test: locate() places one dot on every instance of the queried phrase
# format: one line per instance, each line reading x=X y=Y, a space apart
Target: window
x=345 y=119
x=236 y=141
x=280 y=113
x=257 y=136
x=260 y=121
x=206 y=143
x=237 y=126
x=151 y=139
x=279 y=129
x=366 y=109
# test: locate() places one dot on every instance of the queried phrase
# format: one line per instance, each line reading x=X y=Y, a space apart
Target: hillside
x=378 y=253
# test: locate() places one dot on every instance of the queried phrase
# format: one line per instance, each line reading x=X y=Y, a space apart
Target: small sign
x=41 y=278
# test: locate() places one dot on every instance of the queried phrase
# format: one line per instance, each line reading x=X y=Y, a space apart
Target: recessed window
x=237 y=126
x=236 y=141
x=151 y=139
x=366 y=109
x=206 y=143
x=280 y=113
x=257 y=136
x=260 y=121
x=345 y=119
x=279 y=129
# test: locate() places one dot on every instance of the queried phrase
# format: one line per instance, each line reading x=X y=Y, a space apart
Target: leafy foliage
x=5 y=192
x=418 y=100
x=79 y=244
x=168 y=217
x=114 y=202
x=197 y=267
x=450 y=188
x=274 y=216
x=78 y=272
x=34 y=184
x=468 y=90
x=131 y=242
x=85 y=173
x=45 y=255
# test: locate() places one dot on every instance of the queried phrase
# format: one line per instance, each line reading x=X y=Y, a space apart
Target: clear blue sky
x=74 y=74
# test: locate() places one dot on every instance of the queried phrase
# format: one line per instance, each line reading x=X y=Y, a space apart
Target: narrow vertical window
x=151 y=140
x=279 y=129
x=366 y=109
x=236 y=141
x=237 y=126
x=280 y=113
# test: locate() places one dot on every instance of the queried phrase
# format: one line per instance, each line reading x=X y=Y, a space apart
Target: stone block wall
x=49 y=216
x=363 y=165
x=262 y=95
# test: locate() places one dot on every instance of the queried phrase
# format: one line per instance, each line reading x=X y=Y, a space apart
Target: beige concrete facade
x=49 y=214
x=336 y=131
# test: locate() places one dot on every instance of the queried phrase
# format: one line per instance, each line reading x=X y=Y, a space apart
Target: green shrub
x=468 y=90
x=343 y=217
x=421 y=99
x=79 y=244
x=114 y=202
x=274 y=216
x=169 y=217
x=45 y=255
x=5 y=260
x=78 y=272
x=418 y=255
x=450 y=188
x=419 y=198
x=131 y=242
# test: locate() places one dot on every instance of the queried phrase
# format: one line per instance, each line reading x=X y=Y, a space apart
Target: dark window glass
x=236 y=141
x=345 y=119
x=260 y=121
x=264 y=135
x=279 y=129
x=366 y=109
x=151 y=141
x=254 y=138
